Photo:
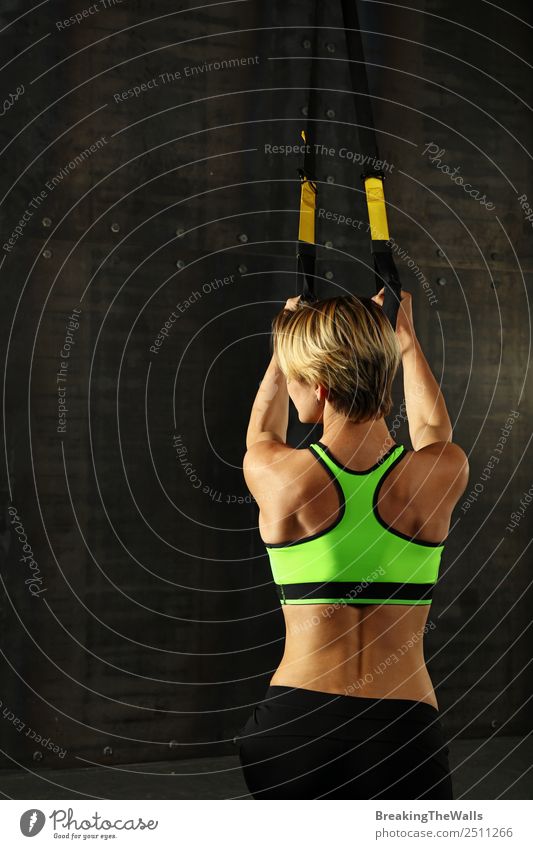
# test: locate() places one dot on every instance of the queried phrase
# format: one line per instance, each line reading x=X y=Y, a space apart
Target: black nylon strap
x=386 y=274
x=363 y=104
x=306 y=252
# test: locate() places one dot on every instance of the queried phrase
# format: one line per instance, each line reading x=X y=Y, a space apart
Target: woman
x=354 y=527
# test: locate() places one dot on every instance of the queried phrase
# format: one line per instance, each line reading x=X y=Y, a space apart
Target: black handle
x=387 y=276
x=306 y=271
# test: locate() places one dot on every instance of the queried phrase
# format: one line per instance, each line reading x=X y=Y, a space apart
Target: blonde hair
x=347 y=345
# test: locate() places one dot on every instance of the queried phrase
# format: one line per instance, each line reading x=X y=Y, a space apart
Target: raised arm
x=424 y=402
x=425 y=405
x=443 y=465
x=426 y=411
x=269 y=418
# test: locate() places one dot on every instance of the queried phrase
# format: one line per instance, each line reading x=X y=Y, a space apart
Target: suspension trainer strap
x=306 y=250
x=384 y=266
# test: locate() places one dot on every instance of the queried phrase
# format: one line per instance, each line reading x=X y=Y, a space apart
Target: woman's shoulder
x=439 y=467
x=272 y=466
x=444 y=458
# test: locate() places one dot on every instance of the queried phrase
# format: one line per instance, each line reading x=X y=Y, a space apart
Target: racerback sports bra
x=358 y=559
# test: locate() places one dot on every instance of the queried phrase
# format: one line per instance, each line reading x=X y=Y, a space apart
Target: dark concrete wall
x=154 y=624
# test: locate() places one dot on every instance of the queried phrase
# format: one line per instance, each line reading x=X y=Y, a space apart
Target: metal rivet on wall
x=108 y=751
x=330 y=113
x=180 y=263
x=330 y=47
x=330 y=178
x=47 y=222
x=242 y=269
x=47 y=253
x=179 y=232
x=115 y=227
x=305 y=111
x=243 y=238
x=37 y=756
x=329 y=275
x=328 y=244
x=306 y=44
x=440 y=252
x=441 y=281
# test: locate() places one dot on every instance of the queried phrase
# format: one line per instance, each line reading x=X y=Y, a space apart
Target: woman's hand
x=292 y=303
x=405 y=328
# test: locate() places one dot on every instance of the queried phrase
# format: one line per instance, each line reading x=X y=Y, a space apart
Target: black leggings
x=305 y=744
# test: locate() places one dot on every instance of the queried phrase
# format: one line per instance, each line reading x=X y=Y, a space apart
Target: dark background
x=157 y=626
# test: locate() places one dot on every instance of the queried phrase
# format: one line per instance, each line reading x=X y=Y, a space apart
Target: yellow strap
x=377 y=213
x=306 y=232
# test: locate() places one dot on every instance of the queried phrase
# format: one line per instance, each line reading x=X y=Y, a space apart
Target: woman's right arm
x=430 y=429
x=426 y=410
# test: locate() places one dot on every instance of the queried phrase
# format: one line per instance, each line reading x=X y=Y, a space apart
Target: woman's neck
x=373 y=435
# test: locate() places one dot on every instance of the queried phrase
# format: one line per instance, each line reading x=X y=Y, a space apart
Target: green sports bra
x=358 y=559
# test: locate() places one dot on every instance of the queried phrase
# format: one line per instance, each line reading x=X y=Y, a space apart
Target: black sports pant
x=305 y=744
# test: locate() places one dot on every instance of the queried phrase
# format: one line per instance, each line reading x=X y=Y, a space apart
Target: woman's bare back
x=360 y=650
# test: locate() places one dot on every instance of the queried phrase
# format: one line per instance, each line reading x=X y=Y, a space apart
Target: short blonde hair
x=347 y=345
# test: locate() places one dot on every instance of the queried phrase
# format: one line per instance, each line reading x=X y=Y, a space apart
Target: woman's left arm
x=269 y=418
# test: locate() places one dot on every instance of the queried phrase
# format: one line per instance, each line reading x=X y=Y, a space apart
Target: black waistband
x=407 y=710
x=309 y=715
